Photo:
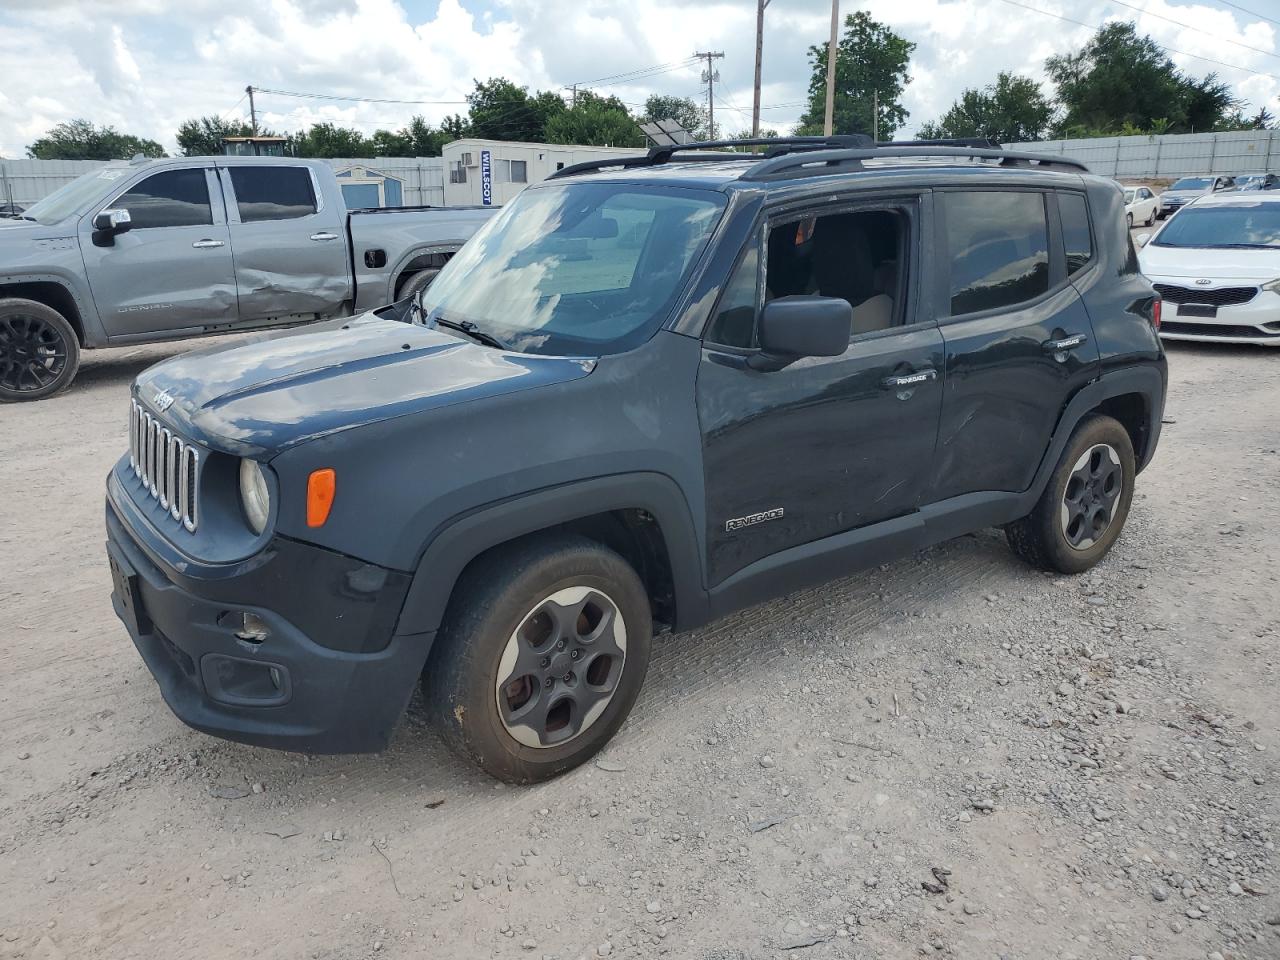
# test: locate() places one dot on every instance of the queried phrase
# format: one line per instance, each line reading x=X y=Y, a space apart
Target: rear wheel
x=1084 y=505
x=39 y=352
x=542 y=653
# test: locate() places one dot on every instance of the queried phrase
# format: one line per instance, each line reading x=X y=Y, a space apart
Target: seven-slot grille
x=1217 y=297
x=166 y=464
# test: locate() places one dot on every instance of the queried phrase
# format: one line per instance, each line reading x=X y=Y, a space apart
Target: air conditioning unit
x=467 y=161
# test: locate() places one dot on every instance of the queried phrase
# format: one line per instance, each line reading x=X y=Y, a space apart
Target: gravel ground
x=951 y=755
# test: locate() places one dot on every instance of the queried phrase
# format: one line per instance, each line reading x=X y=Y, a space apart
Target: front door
x=290 y=246
x=172 y=269
x=826 y=444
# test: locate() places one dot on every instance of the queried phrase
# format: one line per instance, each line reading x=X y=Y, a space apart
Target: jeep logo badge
x=163 y=400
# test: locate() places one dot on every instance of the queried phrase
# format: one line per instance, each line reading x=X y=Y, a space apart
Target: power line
x=1165 y=47
x=1228 y=3
x=1184 y=26
x=638 y=73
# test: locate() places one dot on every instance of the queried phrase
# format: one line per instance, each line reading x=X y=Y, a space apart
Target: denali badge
x=739 y=522
x=163 y=400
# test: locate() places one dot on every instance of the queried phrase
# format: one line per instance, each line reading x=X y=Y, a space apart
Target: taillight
x=1155 y=312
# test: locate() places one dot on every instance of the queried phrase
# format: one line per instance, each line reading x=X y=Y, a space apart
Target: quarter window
x=273 y=193
x=735 y=322
x=999 y=249
x=1076 y=240
x=174 y=198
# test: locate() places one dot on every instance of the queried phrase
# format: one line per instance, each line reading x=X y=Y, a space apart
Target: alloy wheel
x=1089 y=501
x=33 y=353
x=561 y=667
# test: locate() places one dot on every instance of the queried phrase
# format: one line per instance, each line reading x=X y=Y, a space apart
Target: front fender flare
x=465 y=537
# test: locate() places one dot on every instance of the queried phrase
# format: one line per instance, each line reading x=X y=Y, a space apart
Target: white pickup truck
x=165 y=249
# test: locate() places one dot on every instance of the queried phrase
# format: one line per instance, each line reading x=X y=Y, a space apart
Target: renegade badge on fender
x=649 y=392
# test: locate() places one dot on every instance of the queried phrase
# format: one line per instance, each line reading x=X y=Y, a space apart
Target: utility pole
x=755 y=106
x=875 y=116
x=710 y=76
x=253 y=114
x=574 y=88
x=831 y=69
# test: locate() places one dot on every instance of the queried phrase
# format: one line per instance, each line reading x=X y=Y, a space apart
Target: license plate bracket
x=127 y=588
x=1197 y=310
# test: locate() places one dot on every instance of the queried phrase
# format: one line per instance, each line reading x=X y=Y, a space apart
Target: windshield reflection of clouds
x=1235 y=225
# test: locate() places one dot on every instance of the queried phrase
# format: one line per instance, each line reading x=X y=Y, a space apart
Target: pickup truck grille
x=166 y=464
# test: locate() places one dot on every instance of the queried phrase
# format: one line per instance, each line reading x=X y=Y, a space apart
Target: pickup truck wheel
x=540 y=657
x=1084 y=505
x=419 y=281
x=39 y=352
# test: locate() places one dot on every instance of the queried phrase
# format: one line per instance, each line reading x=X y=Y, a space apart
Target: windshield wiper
x=472 y=331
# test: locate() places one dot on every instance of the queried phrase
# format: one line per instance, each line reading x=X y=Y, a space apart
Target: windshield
x=1192 y=183
x=579 y=269
x=69 y=198
x=1130 y=196
x=1238 y=225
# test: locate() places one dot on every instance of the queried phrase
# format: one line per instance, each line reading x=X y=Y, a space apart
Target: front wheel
x=39 y=352
x=1085 y=503
x=1128 y=220
x=540 y=657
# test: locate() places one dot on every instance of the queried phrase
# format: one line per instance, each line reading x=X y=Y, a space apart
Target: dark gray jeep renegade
x=648 y=393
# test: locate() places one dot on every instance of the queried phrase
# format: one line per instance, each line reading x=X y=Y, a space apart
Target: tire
x=1128 y=220
x=39 y=351
x=1151 y=219
x=583 y=670
x=1069 y=534
x=418 y=282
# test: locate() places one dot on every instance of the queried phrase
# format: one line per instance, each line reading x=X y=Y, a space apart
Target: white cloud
x=143 y=66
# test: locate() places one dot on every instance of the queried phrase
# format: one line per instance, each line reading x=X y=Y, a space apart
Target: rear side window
x=175 y=198
x=1076 y=239
x=999 y=249
x=273 y=193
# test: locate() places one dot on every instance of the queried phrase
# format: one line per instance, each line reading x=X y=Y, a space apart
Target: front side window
x=1076 y=240
x=273 y=193
x=174 y=198
x=999 y=249
x=578 y=268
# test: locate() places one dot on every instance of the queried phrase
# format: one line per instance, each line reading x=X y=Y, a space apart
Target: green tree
x=1011 y=110
x=595 y=121
x=1121 y=78
x=500 y=110
x=202 y=136
x=81 y=140
x=323 y=140
x=684 y=111
x=871 y=66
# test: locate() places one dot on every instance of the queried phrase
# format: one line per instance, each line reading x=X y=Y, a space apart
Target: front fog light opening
x=255 y=495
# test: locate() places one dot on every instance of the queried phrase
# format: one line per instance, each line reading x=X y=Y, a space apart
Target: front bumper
x=286 y=691
x=1257 y=321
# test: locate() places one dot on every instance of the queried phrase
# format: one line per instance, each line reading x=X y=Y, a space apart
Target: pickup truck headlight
x=255 y=495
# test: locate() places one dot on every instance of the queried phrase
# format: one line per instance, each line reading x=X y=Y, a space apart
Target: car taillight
x=1155 y=312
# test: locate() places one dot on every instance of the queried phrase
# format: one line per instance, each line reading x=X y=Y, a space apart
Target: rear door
x=172 y=270
x=1018 y=339
x=290 y=247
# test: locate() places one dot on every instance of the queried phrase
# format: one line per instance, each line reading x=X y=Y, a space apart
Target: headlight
x=254 y=494
x=1272 y=286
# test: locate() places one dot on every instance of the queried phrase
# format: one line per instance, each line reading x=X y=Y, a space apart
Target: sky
x=143 y=66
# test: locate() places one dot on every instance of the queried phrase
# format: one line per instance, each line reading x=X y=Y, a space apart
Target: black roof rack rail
x=823 y=162
x=815 y=156
x=702 y=150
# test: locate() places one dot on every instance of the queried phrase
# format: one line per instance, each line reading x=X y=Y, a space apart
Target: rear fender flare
x=467 y=536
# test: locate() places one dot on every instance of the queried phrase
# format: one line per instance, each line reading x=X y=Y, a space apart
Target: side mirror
x=1141 y=239
x=795 y=327
x=113 y=221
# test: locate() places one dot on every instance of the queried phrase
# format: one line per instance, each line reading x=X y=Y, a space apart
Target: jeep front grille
x=166 y=464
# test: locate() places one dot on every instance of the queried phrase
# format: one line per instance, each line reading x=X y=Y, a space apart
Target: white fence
x=25 y=181
x=1171 y=155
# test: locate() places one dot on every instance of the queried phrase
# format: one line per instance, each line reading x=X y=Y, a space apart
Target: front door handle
x=324 y=235
x=206 y=244
x=907 y=381
x=1059 y=348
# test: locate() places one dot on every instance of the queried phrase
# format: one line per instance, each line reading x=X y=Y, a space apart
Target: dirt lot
x=952 y=755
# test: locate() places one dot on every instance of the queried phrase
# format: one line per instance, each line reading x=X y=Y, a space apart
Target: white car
x=1140 y=206
x=1216 y=265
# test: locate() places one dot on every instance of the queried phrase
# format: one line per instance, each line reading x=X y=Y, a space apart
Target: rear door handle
x=206 y=244
x=324 y=235
x=1065 y=344
x=908 y=380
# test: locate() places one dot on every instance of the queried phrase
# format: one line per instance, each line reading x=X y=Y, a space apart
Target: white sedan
x=1216 y=265
x=1140 y=206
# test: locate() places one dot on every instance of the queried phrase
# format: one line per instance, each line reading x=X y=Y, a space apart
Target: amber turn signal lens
x=321 y=486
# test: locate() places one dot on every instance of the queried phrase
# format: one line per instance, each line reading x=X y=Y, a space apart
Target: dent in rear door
x=288 y=240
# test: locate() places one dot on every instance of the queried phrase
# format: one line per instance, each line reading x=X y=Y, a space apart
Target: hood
x=1207 y=263
x=1183 y=196
x=260 y=396
x=12 y=230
